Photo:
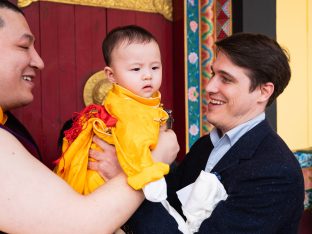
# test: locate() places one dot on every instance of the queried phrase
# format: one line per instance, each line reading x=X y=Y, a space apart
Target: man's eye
x=24 y=47
x=135 y=69
x=225 y=80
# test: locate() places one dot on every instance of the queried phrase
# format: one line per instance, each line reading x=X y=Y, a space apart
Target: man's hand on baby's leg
x=167 y=147
x=105 y=161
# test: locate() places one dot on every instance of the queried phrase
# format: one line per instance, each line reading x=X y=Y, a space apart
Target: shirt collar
x=234 y=134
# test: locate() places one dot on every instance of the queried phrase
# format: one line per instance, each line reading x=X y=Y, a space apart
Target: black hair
x=129 y=33
x=4 y=4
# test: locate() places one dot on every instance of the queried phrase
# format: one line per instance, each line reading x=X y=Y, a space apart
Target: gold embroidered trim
x=163 y=7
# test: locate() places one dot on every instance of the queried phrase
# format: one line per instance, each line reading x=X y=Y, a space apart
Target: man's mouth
x=215 y=102
x=27 y=78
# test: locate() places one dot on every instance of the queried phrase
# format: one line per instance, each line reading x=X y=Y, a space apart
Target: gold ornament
x=96 y=89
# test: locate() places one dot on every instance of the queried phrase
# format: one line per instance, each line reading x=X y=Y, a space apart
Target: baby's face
x=137 y=67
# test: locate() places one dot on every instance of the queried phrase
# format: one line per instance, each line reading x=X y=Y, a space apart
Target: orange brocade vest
x=128 y=121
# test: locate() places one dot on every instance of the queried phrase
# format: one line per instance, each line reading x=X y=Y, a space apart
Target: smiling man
x=260 y=174
x=19 y=62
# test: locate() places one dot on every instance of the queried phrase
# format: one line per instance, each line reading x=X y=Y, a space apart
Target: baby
x=130 y=117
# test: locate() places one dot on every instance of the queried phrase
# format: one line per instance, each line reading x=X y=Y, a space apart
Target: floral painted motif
x=194 y=130
x=193 y=25
x=191 y=2
x=193 y=57
x=193 y=94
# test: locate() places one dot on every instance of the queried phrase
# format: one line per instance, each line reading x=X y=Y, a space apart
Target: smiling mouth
x=215 y=102
x=27 y=78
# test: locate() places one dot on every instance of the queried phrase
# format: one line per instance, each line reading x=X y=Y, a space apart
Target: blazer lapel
x=244 y=148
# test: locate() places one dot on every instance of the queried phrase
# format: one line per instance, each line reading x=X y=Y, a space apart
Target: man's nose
x=36 y=60
x=212 y=85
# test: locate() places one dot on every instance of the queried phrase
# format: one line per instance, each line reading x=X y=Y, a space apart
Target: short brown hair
x=262 y=56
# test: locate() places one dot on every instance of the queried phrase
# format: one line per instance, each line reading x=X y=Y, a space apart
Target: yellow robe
x=134 y=136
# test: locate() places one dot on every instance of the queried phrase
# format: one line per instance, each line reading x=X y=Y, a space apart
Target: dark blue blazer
x=261 y=176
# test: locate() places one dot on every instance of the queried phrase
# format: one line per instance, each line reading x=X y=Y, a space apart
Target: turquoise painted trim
x=193 y=86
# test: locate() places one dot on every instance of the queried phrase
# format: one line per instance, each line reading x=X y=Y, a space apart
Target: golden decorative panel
x=163 y=7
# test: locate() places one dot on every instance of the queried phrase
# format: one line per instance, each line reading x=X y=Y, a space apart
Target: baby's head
x=133 y=60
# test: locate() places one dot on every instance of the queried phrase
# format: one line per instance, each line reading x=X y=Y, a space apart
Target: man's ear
x=266 y=90
x=109 y=74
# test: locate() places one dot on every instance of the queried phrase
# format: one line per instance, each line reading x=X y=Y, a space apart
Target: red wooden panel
x=178 y=73
x=50 y=24
x=90 y=32
x=306 y=223
x=117 y=18
x=66 y=63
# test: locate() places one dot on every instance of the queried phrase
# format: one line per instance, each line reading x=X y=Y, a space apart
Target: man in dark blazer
x=260 y=174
